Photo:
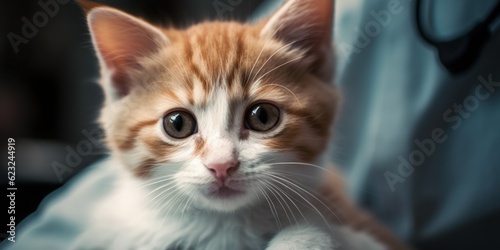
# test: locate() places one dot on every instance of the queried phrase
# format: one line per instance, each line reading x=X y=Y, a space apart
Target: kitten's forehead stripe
x=188 y=52
x=221 y=53
x=235 y=67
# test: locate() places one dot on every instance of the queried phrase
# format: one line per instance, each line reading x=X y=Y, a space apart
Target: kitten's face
x=214 y=109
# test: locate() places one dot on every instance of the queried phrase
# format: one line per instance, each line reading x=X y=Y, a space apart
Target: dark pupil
x=177 y=122
x=261 y=114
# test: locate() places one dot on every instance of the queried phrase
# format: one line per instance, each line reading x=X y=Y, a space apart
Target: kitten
x=213 y=131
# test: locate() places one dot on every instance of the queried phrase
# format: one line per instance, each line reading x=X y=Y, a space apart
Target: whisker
x=290 y=198
x=262 y=49
x=273 y=209
x=271 y=188
x=160 y=187
x=294 y=174
x=279 y=66
x=313 y=207
x=310 y=194
x=188 y=204
x=160 y=203
x=268 y=187
x=170 y=187
x=319 y=167
x=272 y=55
x=281 y=86
x=185 y=198
x=169 y=205
x=164 y=214
x=155 y=181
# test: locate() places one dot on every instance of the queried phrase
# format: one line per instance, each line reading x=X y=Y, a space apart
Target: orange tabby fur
x=215 y=52
x=192 y=64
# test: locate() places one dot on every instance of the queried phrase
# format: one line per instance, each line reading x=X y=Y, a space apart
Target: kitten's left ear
x=307 y=25
x=121 y=41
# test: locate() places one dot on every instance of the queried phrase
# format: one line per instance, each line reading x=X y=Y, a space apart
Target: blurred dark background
x=48 y=90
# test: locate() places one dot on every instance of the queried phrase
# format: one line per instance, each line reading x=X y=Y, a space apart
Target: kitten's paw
x=302 y=238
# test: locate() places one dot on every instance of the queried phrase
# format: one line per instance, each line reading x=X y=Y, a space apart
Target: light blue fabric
x=395 y=92
x=64 y=214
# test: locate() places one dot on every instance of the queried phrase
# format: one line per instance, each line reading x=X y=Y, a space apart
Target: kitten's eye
x=262 y=117
x=179 y=124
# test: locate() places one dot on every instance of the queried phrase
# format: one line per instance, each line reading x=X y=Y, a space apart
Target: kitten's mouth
x=224 y=192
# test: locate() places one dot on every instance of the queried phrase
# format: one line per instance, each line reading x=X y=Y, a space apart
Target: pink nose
x=222 y=170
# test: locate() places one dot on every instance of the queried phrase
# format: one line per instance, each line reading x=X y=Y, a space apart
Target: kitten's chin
x=224 y=199
x=224 y=193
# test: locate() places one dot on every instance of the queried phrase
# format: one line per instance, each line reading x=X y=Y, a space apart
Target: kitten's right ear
x=307 y=25
x=120 y=41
